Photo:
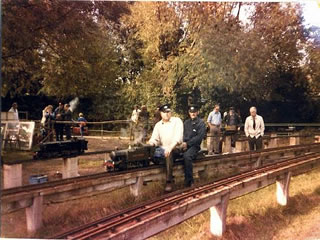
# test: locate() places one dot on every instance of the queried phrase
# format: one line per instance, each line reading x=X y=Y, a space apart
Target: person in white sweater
x=167 y=134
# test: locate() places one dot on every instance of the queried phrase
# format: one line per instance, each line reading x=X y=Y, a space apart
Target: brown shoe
x=168 y=187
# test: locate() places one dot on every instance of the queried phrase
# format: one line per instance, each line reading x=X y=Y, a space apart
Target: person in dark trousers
x=58 y=116
x=214 y=123
x=143 y=123
x=67 y=116
x=194 y=131
x=254 y=129
x=232 y=121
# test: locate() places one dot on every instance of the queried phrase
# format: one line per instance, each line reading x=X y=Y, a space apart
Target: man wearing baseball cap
x=167 y=134
x=194 y=131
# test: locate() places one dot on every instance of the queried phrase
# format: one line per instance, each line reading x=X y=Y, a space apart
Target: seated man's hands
x=167 y=152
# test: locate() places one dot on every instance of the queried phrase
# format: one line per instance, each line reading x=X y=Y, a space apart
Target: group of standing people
x=231 y=122
x=51 y=120
x=253 y=128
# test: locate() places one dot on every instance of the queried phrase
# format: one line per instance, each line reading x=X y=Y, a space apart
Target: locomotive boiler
x=138 y=156
x=68 y=148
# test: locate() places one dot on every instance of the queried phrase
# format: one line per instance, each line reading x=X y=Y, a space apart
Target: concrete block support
x=241 y=146
x=70 y=167
x=34 y=215
x=12 y=175
x=273 y=143
x=136 y=188
x=283 y=189
x=227 y=145
x=294 y=141
x=218 y=215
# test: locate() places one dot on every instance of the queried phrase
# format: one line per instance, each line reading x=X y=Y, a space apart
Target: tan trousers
x=213 y=139
x=169 y=163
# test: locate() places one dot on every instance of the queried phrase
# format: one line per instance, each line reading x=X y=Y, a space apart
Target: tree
x=64 y=48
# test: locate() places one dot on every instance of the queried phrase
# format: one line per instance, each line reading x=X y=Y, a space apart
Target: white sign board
x=16 y=134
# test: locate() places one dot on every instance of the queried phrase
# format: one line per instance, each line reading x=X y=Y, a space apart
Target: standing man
x=194 y=130
x=14 y=122
x=67 y=116
x=14 y=110
x=214 y=122
x=135 y=114
x=167 y=134
x=254 y=129
x=232 y=121
x=143 y=123
x=156 y=116
x=134 y=122
x=58 y=114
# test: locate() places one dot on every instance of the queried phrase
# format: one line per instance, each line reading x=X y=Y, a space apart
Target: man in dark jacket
x=67 y=116
x=194 y=130
x=232 y=121
x=58 y=115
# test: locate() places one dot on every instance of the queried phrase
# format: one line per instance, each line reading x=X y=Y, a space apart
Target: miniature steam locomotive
x=130 y=158
x=141 y=156
x=68 y=148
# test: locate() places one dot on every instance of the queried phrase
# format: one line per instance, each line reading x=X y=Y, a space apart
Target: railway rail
x=32 y=198
x=86 y=178
x=119 y=225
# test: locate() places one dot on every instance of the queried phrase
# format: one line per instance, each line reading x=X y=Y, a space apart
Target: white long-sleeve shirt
x=15 y=113
x=250 y=131
x=167 y=134
x=135 y=115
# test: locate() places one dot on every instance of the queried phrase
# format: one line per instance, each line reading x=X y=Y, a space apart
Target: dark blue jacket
x=194 y=132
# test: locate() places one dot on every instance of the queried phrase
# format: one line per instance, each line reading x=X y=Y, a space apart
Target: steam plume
x=74 y=103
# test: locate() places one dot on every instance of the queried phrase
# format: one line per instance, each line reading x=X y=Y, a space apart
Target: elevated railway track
x=34 y=197
x=150 y=218
x=266 y=155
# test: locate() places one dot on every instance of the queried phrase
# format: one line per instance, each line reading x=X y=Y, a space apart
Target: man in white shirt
x=14 y=122
x=254 y=129
x=167 y=134
x=214 y=122
x=14 y=109
x=135 y=114
x=133 y=125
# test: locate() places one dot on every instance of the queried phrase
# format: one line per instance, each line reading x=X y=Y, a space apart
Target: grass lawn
x=258 y=216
